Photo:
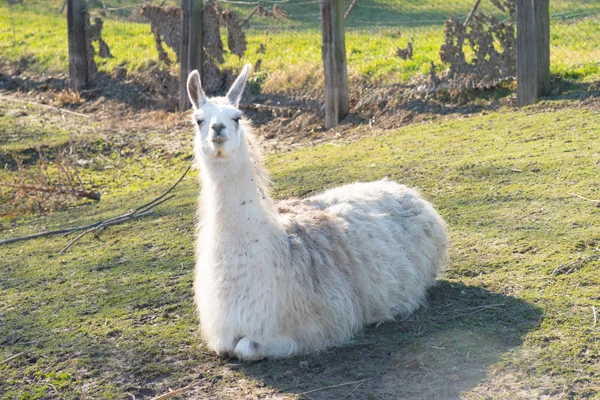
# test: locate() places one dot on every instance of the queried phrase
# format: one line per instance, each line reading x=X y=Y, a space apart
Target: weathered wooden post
x=542 y=21
x=190 y=52
x=334 y=61
x=533 y=50
x=184 y=102
x=78 y=51
x=196 y=43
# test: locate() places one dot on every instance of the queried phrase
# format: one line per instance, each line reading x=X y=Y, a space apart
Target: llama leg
x=248 y=349
x=225 y=347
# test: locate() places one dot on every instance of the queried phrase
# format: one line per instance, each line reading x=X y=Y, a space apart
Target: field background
x=515 y=316
x=35 y=35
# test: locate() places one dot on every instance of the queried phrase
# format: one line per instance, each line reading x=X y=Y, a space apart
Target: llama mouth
x=219 y=139
x=219 y=154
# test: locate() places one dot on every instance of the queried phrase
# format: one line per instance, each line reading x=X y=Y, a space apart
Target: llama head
x=218 y=132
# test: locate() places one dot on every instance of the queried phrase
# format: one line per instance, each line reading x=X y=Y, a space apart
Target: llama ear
x=194 y=88
x=235 y=93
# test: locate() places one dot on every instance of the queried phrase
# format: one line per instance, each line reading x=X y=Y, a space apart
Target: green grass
x=575 y=52
x=41 y=40
x=114 y=315
x=376 y=28
x=18 y=136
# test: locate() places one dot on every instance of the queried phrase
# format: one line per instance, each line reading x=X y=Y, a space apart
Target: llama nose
x=218 y=128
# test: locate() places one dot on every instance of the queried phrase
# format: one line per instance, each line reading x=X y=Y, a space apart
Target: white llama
x=276 y=279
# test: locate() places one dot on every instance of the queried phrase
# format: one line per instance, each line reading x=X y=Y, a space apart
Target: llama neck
x=234 y=199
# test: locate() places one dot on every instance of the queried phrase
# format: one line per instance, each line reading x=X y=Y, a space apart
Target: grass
x=40 y=40
x=114 y=316
x=36 y=35
x=14 y=138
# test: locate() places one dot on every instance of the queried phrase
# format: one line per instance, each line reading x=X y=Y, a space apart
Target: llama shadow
x=439 y=352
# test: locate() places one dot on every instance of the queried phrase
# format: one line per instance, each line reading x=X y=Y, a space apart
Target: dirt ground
x=427 y=356
x=146 y=102
x=282 y=123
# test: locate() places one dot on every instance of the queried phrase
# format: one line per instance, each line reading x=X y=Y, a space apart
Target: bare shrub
x=212 y=49
x=67 y=97
x=493 y=43
x=91 y=63
x=95 y=33
x=236 y=38
x=165 y=25
x=407 y=53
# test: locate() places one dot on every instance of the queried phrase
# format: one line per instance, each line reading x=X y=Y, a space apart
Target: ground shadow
x=439 y=352
x=569 y=88
x=145 y=91
x=151 y=89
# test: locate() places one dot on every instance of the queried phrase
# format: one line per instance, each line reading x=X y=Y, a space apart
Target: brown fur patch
x=295 y=207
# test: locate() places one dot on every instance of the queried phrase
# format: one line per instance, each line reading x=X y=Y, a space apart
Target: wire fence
x=402 y=41
x=575 y=38
x=387 y=41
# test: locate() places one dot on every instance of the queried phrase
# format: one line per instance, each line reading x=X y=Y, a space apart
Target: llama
x=298 y=276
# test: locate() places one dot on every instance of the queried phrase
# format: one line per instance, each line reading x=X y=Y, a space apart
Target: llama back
x=398 y=240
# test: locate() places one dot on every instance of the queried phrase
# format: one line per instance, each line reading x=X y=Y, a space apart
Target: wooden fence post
x=542 y=21
x=334 y=61
x=78 y=51
x=184 y=102
x=190 y=52
x=533 y=50
x=196 y=43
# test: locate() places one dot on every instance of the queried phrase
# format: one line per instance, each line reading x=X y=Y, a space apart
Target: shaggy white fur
x=298 y=276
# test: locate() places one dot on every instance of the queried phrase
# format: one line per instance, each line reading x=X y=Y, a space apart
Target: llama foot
x=224 y=354
x=247 y=349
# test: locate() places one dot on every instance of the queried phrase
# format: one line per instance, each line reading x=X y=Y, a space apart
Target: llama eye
x=199 y=121
x=237 y=119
